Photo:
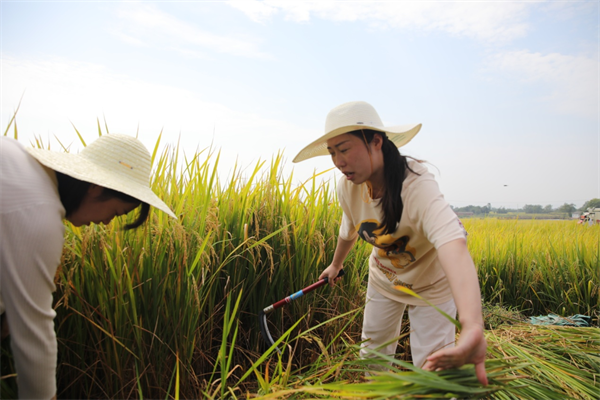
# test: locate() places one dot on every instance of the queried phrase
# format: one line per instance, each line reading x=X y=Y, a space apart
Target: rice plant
x=537 y=266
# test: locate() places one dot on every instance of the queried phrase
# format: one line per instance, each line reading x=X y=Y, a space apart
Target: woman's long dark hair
x=395 y=170
x=72 y=191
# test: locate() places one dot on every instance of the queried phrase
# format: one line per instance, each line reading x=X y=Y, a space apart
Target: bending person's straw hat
x=354 y=116
x=114 y=161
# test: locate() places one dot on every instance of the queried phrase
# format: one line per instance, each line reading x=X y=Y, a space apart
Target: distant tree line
x=529 y=208
x=474 y=209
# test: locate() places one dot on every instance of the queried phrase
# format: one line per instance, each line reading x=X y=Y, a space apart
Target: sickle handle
x=299 y=293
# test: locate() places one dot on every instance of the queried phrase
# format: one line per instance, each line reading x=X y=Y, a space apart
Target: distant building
x=590 y=217
x=593 y=214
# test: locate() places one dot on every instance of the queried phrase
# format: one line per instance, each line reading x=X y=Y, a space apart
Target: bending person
x=38 y=189
x=395 y=204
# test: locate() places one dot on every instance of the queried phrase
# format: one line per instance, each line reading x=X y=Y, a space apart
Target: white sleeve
x=347 y=229
x=31 y=242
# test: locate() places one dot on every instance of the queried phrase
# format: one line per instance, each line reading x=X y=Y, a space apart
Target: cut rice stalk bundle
x=397 y=383
x=564 y=360
x=525 y=362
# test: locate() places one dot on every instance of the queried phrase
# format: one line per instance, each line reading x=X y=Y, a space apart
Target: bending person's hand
x=331 y=273
x=470 y=349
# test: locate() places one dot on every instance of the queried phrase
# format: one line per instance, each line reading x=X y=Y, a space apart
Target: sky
x=507 y=91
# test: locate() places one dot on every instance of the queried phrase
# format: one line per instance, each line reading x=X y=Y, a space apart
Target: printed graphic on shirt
x=391 y=275
x=396 y=250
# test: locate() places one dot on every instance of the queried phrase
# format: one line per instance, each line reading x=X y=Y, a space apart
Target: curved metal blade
x=264 y=330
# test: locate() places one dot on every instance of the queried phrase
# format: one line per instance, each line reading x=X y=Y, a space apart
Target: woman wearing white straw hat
x=394 y=203
x=39 y=188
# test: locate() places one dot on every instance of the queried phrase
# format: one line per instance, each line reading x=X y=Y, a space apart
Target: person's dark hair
x=395 y=169
x=72 y=191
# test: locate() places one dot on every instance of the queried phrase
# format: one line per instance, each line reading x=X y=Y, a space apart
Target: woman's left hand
x=470 y=349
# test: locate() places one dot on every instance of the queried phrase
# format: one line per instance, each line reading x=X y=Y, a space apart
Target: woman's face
x=96 y=209
x=350 y=155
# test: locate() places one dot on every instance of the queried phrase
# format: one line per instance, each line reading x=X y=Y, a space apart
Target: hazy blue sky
x=507 y=92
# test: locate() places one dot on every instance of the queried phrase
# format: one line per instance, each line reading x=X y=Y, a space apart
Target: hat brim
x=81 y=168
x=399 y=135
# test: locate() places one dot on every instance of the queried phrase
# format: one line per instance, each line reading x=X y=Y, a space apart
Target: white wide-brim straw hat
x=353 y=116
x=114 y=161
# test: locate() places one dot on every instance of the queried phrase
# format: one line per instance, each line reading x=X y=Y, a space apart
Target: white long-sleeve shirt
x=31 y=242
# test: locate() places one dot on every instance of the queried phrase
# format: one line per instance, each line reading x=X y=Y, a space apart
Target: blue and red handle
x=299 y=293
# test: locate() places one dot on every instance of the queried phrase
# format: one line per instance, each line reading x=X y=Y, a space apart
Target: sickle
x=262 y=315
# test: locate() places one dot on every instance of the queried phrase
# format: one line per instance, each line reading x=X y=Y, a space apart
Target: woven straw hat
x=353 y=116
x=114 y=161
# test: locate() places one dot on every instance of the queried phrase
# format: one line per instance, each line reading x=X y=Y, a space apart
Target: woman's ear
x=377 y=141
x=95 y=190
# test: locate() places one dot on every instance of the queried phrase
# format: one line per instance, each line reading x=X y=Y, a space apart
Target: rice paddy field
x=170 y=310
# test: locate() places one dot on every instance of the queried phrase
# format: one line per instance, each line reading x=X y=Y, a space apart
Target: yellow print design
x=397 y=250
